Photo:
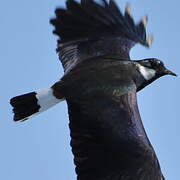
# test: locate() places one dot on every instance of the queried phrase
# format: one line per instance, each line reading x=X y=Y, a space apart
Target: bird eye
x=159 y=62
x=156 y=63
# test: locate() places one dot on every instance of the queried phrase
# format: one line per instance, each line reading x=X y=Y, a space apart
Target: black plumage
x=108 y=138
x=109 y=141
x=100 y=83
x=92 y=30
x=24 y=106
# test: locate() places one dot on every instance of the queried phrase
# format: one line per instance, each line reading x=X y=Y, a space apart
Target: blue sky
x=39 y=148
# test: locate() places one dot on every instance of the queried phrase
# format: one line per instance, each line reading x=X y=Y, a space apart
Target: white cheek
x=147 y=72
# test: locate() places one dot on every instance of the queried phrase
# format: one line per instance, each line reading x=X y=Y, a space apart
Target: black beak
x=168 y=72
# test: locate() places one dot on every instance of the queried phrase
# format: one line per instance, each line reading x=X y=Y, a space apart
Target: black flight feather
x=90 y=24
x=108 y=139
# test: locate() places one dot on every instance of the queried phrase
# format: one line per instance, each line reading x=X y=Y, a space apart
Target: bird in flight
x=99 y=84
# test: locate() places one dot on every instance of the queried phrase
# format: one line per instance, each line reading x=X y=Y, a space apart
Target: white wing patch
x=147 y=73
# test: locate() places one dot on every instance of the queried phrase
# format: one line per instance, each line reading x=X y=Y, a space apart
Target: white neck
x=147 y=73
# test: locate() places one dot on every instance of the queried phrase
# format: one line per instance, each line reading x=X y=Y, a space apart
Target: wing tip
x=124 y=26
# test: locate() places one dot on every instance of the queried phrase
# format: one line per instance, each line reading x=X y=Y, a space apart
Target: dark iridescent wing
x=107 y=136
x=108 y=139
x=89 y=29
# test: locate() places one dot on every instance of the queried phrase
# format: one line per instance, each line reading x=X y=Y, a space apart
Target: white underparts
x=46 y=99
x=147 y=73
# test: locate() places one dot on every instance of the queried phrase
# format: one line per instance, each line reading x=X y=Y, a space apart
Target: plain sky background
x=39 y=149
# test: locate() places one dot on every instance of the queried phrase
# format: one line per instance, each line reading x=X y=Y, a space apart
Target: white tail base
x=46 y=99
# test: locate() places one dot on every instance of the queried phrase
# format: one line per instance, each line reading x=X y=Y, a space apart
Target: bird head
x=150 y=70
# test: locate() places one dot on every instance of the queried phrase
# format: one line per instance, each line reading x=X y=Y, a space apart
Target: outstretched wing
x=109 y=141
x=107 y=136
x=89 y=29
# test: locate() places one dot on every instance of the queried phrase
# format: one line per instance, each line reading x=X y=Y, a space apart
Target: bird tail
x=30 y=104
